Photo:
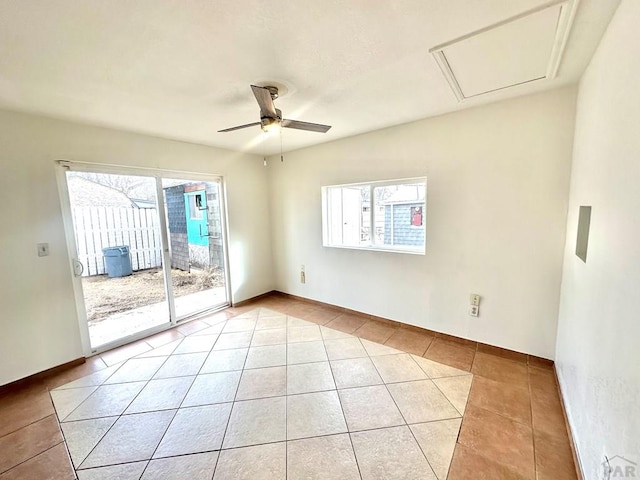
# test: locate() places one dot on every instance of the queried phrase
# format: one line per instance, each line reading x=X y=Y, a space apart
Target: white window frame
x=372 y=245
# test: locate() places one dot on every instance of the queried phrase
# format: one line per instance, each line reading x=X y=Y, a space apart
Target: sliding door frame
x=62 y=166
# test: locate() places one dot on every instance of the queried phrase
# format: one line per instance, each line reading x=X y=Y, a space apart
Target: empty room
x=319 y=240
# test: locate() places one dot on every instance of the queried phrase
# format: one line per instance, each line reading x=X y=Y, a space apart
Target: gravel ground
x=105 y=296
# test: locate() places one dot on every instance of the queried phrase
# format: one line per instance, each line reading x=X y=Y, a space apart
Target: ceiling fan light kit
x=269 y=124
x=271 y=117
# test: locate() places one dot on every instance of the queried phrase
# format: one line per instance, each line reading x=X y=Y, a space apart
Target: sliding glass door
x=149 y=251
x=196 y=244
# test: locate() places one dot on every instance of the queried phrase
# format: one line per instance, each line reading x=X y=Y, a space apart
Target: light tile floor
x=264 y=395
x=512 y=428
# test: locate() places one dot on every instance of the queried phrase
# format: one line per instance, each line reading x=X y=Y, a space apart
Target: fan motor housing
x=266 y=123
x=273 y=91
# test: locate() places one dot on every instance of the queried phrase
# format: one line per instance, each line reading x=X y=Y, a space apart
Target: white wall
x=498 y=179
x=37 y=311
x=598 y=354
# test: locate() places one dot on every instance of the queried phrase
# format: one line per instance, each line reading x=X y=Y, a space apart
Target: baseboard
x=481 y=347
x=572 y=442
x=242 y=303
x=23 y=382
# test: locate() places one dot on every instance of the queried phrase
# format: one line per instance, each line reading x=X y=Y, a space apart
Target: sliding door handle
x=78 y=267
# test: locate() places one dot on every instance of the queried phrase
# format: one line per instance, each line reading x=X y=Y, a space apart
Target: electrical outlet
x=475 y=299
x=302 y=277
x=43 y=249
x=474 y=310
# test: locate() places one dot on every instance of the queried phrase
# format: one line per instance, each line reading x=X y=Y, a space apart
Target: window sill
x=396 y=249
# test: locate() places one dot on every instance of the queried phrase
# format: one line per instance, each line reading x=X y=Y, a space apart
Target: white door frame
x=158 y=174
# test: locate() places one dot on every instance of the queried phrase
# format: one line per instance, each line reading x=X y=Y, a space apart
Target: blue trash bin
x=118 y=261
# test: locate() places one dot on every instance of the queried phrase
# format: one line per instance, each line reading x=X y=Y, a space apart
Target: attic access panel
x=521 y=49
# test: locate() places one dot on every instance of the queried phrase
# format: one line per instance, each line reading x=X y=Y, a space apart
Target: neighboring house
x=404 y=224
x=85 y=193
x=195 y=234
x=404 y=217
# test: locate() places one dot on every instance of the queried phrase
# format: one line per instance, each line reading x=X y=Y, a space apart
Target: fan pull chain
x=281 y=156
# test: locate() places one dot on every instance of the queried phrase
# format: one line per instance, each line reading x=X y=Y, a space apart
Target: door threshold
x=155 y=330
x=203 y=313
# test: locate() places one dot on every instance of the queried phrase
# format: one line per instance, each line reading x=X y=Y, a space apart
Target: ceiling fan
x=271 y=117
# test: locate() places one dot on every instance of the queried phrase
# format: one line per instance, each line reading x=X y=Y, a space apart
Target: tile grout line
x=297 y=439
x=501 y=415
x=353 y=449
x=233 y=403
x=55 y=415
x=31 y=458
x=34 y=422
x=64 y=439
x=507 y=418
x=125 y=359
x=155 y=449
x=272 y=396
x=419 y=355
x=402 y=415
x=473 y=379
x=119 y=416
x=268 y=443
x=528 y=388
x=445 y=396
x=395 y=329
x=183 y=398
x=60 y=387
x=104 y=383
x=182 y=401
x=447 y=364
x=61 y=420
x=195 y=377
x=101 y=438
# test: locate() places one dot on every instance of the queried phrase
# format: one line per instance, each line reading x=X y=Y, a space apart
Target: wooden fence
x=101 y=227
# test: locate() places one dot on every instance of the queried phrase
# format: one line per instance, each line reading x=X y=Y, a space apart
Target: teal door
x=195 y=204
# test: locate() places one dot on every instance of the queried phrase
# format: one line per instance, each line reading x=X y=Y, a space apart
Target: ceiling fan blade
x=239 y=127
x=312 y=127
x=263 y=96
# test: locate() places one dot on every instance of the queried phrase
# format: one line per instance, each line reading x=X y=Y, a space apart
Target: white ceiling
x=182 y=68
